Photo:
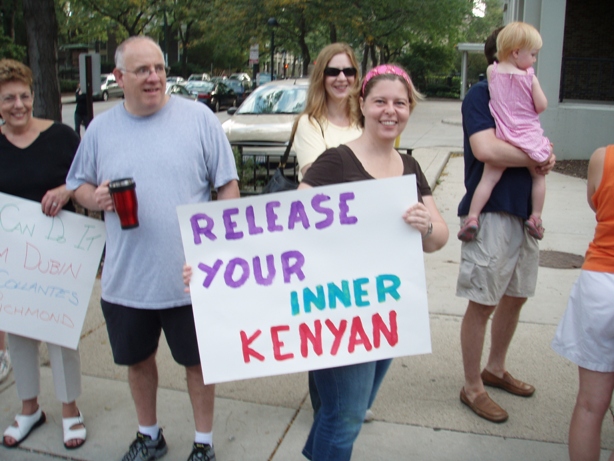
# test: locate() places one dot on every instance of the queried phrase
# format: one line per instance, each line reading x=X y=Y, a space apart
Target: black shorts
x=135 y=333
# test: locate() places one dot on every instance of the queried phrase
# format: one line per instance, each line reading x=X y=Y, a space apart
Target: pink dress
x=511 y=105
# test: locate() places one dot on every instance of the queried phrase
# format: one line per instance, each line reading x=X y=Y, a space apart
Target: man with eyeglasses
x=175 y=150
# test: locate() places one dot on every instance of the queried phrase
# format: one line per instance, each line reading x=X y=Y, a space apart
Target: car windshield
x=235 y=85
x=200 y=86
x=275 y=99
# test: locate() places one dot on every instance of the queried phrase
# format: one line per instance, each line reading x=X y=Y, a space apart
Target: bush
x=68 y=86
x=442 y=86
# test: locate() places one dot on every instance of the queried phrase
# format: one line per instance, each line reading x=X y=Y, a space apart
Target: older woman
x=328 y=120
x=386 y=101
x=35 y=155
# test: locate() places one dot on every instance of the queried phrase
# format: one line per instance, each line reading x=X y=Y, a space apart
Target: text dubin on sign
x=306 y=279
x=47 y=270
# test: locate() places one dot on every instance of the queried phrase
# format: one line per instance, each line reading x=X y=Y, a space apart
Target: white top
x=309 y=142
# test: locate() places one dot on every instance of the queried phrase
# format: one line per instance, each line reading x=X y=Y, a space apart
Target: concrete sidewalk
x=418 y=412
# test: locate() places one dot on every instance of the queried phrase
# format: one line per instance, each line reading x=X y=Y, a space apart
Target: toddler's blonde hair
x=517 y=36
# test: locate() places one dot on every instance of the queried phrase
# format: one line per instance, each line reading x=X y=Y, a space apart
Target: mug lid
x=124 y=182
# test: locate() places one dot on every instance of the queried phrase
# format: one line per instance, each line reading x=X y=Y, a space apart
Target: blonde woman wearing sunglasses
x=327 y=120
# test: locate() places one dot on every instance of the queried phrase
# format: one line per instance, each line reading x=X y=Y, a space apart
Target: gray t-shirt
x=175 y=156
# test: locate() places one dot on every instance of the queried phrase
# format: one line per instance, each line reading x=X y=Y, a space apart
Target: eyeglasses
x=11 y=99
x=334 y=72
x=144 y=72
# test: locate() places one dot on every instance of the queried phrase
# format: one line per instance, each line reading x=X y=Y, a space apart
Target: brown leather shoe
x=508 y=383
x=485 y=407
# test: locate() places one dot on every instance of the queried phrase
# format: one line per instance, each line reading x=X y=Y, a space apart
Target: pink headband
x=384 y=69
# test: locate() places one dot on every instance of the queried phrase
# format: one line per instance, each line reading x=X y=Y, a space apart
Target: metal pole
x=88 y=88
x=463 y=76
x=272 y=50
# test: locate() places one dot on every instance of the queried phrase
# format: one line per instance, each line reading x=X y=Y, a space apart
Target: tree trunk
x=303 y=46
x=373 y=56
x=333 y=32
x=365 y=58
x=42 y=33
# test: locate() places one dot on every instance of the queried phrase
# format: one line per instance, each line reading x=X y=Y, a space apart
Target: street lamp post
x=272 y=22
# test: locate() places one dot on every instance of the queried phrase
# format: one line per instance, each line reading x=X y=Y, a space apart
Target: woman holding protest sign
x=35 y=155
x=328 y=121
x=386 y=100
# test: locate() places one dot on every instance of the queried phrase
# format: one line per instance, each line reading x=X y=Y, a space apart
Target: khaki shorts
x=502 y=260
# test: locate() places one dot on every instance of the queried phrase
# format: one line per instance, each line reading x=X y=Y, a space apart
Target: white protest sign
x=47 y=270
x=306 y=279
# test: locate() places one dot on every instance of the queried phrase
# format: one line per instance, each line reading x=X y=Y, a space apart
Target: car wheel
x=105 y=96
x=217 y=106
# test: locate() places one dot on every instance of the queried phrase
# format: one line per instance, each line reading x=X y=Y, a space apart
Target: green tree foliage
x=12 y=34
x=8 y=49
x=477 y=31
x=216 y=34
x=133 y=16
x=78 y=24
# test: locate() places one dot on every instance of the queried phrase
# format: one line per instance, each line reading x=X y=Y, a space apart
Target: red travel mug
x=123 y=194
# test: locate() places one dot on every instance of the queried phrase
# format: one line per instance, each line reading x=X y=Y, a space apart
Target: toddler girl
x=516 y=99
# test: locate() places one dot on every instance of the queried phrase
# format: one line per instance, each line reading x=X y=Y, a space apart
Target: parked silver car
x=176 y=89
x=268 y=113
x=108 y=88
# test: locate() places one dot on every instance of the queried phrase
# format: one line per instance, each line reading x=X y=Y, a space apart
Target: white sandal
x=73 y=434
x=25 y=425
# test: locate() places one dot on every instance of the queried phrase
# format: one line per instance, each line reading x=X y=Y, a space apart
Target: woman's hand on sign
x=187 y=276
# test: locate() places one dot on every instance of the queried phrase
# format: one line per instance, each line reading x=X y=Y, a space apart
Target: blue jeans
x=345 y=394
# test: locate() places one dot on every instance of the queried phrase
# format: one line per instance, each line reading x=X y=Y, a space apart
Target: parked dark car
x=239 y=89
x=216 y=95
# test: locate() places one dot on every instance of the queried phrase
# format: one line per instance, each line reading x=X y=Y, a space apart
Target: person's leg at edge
x=202 y=397
x=66 y=368
x=143 y=381
x=503 y=327
x=473 y=332
x=593 y=401
x=344 y=393
x=27 y=375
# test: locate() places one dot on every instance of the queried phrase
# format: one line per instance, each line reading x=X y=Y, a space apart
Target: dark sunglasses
x=333 y=71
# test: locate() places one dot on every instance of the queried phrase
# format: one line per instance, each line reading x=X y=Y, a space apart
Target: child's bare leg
x=490 y=178
x=538 y=194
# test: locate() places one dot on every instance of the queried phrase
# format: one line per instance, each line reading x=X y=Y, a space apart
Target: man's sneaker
x=202 y=452
x=145 y=449
x=5 y=365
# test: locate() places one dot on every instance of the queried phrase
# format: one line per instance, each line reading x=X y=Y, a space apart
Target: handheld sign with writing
x=307 y=279
x=47 y=270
